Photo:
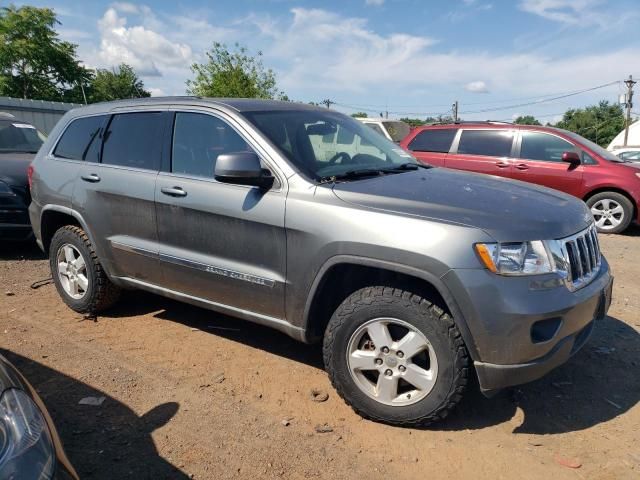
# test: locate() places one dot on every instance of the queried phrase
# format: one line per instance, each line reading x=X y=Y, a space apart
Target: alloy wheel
x=72 y=271
x=392 y=362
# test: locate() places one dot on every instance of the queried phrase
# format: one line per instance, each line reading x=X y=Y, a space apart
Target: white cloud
x=125 y=7
x=374 y=2
x=477 y=86
x=565 y=11
x=156 y=92
x=145 y=50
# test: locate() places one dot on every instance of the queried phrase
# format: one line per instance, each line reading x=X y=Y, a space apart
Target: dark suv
x=546 y=156
x=408 y=274
x=19 y=143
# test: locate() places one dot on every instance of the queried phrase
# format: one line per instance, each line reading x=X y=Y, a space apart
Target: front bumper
x=502 y=315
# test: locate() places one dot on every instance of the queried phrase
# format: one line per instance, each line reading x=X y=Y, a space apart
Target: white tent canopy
x=632 y=141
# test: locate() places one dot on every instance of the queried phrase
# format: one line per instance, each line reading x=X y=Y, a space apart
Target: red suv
x=547 y=156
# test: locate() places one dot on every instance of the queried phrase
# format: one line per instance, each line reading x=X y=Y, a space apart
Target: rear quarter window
x=436 y=140
x=81 y=139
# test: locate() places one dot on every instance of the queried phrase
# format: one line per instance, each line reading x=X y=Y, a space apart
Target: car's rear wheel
x=612 y=212
x=395 y=357
x=77 y=273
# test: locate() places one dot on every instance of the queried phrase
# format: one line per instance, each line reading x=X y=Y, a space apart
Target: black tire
x=429 y=319
x=624 y=202
x=100 y=293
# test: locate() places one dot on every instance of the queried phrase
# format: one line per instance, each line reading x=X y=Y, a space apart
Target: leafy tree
x=526 y=120
x=117 y=83
x=413 y=122
x=359 y=115
x=233 y=74
x=34 y=62
x=599 y=123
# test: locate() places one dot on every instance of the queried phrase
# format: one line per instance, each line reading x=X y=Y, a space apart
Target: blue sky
x=410 y=57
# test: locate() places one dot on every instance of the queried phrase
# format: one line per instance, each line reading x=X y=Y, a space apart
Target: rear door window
x=544 y=147
x=489 y=143
x=81 y=140
x=198 y=140
x=436 y=140
x=134 y=140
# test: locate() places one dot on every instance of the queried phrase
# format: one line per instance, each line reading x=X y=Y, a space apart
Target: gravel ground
x=193 y=394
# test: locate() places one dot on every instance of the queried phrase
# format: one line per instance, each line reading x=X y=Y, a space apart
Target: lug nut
x=385 y=349
x=378 y=361
x=400 y=354
x=388 y=373
x=402 y=368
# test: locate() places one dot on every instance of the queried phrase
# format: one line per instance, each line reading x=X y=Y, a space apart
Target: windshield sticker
x=23 y=125
x=401 y=152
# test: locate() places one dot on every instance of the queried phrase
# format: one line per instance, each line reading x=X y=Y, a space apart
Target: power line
x=539 y=99
x=484 y=110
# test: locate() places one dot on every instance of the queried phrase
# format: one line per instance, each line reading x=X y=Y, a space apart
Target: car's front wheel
x=612 y=212
x=77 y=273
x=395 y=357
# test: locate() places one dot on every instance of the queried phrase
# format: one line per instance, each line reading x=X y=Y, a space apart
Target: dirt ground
x=193 y=394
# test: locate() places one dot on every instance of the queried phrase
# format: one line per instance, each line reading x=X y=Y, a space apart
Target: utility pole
x=629 y=83
x=327 y=102
x=455 y=111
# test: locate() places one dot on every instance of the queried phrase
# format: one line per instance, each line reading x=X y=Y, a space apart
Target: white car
x=394 y=130
x=630 y=154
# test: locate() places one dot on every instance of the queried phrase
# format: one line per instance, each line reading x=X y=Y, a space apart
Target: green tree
x=34 y=62
x=413 y=122
x=233 y=74
x=526 y=120
x=117 y=83
x=599 y=123
x=359 y=115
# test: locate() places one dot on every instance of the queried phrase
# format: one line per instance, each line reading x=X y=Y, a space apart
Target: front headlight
x=26 y=450
x=517 y=258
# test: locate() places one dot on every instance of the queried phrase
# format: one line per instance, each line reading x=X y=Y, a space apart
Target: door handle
x=92 y=177
x=173 y=191
x=502 y=164
x=522 y=166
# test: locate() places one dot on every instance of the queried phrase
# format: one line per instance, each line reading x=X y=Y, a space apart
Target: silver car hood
x=508 y=210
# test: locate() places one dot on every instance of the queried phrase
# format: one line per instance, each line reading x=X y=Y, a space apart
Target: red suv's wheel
x=611 y=211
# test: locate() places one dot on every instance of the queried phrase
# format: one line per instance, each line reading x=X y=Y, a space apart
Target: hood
x=508 y=210
x=13 y=168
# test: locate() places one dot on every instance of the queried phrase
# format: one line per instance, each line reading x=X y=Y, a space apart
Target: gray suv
x=305 y=220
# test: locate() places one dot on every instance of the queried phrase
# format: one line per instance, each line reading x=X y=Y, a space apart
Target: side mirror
x=242 y=168
x=571 y=157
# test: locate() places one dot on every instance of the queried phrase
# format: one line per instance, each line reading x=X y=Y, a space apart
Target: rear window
x=16 y=136
x=490 y=143
x=436 y=140
x=397 y=130
x=81 y=139
x=133 y=140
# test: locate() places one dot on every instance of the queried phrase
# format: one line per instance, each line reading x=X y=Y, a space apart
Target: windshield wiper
x=408 y=166
x=373 y=172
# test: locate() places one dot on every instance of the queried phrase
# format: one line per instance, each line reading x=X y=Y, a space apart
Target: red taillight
x=30 y=175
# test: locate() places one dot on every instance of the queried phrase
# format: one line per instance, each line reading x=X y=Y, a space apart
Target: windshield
x=19 y=137
x=605 y=154
x=328 y=144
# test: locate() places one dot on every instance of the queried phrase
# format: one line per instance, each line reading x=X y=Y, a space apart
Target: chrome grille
x=582 y=257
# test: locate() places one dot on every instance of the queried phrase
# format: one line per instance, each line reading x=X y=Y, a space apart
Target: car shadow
x=598 y=384
x=230 y=328
x=25 y=250
x=105 y=442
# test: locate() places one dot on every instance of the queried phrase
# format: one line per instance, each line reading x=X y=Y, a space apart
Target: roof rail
x=469 y=122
